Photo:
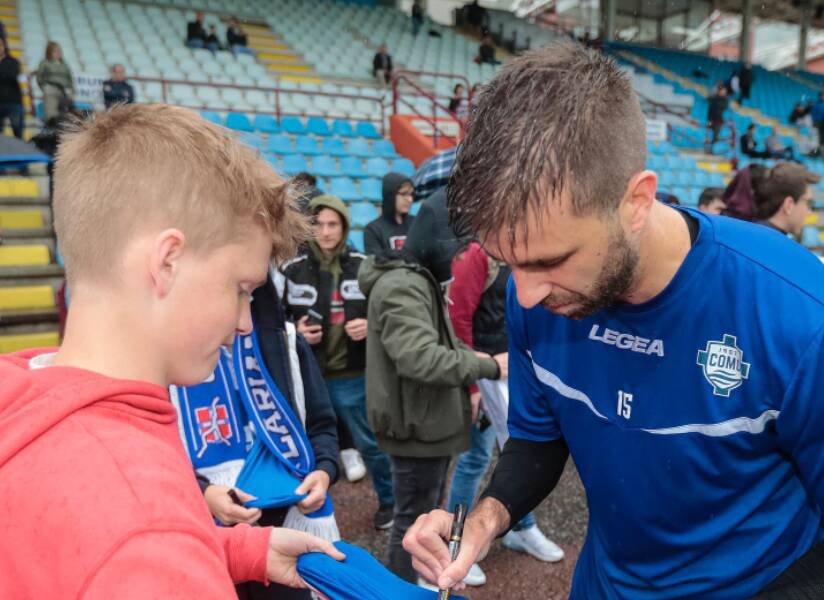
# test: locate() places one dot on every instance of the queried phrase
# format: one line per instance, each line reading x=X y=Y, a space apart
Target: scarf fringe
x=323 y=527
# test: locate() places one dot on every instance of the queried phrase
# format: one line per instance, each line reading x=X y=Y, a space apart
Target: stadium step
x=13 y=341
x=26 y=297
x=278 y=58
x=21 y=219
x=24 y=255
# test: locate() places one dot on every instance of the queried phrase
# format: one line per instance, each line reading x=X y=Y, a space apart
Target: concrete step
x=51 y=275
x=28 y=316
x=16 y=202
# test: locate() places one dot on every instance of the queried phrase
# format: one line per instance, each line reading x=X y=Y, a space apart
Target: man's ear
x=788 y=205
x=164 y=265
x=638 y=200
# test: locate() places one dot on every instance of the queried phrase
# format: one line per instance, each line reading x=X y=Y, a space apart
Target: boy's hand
x=312 y=333
x=356 y=329
x=503 y=363
x=475 y=401
x=224 y=509
x=316 y=484
x=285 y=546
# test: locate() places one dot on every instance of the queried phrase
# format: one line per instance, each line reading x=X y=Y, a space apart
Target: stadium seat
x=404 y=166
x=416 y=206
x=384 y=149
x=810 y=237
x=212 y=116
x=294 y=164
x=238 y=122
x=307 y=145
x=342 y=128
x=252 y=140
x=351 y=166
x=367 y=130
x=356 y=239
x=359 y=148
x=318 y=126
x=280 y=144
x=333 y=146
x=372 y=189
x=266 y=124
x=293 y=125
x=325 y=166
x=362 y=213
x=344 y=188
x=377 y=167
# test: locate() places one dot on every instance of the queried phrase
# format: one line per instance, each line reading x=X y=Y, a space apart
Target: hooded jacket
x=384 y=233
x=98 y=496
x=314 y=284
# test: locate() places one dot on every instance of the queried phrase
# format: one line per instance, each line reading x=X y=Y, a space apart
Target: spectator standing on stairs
x=486 y=52
x=382 y=65
x=717 y=105
x=195 y=32
x=56 y=82
x=745 y=81
x=388 y=231
x=417 y=17
x=817 y=115
x=11 y=98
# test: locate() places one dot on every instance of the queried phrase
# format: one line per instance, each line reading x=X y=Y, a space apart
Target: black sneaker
x=385 y=516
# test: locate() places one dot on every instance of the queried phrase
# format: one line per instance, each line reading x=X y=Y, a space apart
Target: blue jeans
x=14 y=113
x=469 y=470
x=349 y=399
x=237 y=49
x=195 y=43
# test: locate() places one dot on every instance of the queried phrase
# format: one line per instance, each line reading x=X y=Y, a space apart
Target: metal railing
x=407 y=77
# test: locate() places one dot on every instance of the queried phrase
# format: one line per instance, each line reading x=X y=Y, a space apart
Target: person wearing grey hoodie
x=388 y=231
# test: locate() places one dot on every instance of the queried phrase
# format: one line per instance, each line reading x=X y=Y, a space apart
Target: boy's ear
x=164 y=265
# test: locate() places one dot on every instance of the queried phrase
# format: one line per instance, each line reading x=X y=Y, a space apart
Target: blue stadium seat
x=265 y=124
x=325 y=166
x=344 y=188
x=318 y=126
x=372 y=189
x=810 y=237
x=273 y=160
x=252 y=140
x=356 y=239
x=684 y=178
x=280 y=144
x=416 y=206
x=360 y=148
x=362 y=213
x=238 y=122
x=307 y=145
x=666 y=179
x=352 y=166
x=212 y=116
x=377 y=167
x=294 y=164
x=342 y=128
x=293 y=125
x=656 y=162
x=404 y=166
x=367 y=130
x=333 y=146
x=384 y=149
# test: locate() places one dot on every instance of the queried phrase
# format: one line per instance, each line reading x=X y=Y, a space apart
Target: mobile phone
x=315 y=318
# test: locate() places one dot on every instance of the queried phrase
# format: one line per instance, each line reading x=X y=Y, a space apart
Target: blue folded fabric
x=267 y=479
x=359 y=577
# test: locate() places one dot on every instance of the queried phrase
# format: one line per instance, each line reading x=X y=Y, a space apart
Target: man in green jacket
x=417 y=372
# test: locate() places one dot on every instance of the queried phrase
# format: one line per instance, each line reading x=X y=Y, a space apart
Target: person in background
x=417 y=17
x=477 y=309
x=196 y=32
x=817 y=117
x=459 y=104
x=388 y=231
x=800 y=110
x=236 y=40
x=783 y=196
x=116 y=90
x=745 y=77
x=56 y=82
x=717 y=105
x=309 y=185
x=486 y=52
x=212 y=41
x=775 y=148
x=711 y=201
x=748 y=145
x=382 y=65
x=322 y=296
x=11 y=98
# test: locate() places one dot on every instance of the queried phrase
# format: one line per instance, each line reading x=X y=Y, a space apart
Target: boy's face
x=209 y=303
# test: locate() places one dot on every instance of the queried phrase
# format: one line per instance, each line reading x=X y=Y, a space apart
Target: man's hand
x=285 y=546
x=503 y=363
x=356 y=329
x=225 y=510
x=312 y=333
x=475 y=401
x=316 y=485
x=426 y=542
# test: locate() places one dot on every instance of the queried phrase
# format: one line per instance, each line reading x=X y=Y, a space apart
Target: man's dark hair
x=783 y=180
x=709 y=194
x=560 y=118
x=305 y=179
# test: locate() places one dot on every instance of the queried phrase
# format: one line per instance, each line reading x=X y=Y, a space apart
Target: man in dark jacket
x=745 y=81
x=748 y=144
x=717 y=105
x=322 y=296
x=418 y=372
x=382 y=65
x=117 y=90
x=195 y=32
x=388 y=232
x=11 y=99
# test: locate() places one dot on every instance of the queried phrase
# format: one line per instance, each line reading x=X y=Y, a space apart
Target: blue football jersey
x=695 y=420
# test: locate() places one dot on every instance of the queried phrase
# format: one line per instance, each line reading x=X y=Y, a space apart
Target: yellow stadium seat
x=24 y=256
x=21 y=219
x=30 y=296
x=22 y=341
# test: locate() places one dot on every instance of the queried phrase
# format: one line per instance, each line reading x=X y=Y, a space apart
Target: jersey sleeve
x=800 y=425
x=530 y=414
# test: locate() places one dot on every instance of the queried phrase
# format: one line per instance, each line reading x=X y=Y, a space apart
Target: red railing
x=407 y=77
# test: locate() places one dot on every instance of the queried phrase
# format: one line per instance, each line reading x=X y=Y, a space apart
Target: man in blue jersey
x=678 y=357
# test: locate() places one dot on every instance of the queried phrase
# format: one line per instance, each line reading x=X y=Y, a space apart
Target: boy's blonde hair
x=140 y=167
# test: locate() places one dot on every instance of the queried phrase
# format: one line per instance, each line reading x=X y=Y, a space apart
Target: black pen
x=454 y=541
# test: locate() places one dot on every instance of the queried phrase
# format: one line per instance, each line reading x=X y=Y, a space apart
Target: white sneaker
x=535 y=543
x=423 y=583
x=353 y=464
x=476 y=576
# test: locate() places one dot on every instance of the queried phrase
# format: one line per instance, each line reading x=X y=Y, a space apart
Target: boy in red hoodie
x=166 y=226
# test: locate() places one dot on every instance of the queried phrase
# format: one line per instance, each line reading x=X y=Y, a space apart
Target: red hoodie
x=98 y=498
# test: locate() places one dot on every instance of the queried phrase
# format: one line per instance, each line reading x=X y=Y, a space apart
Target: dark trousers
x=419 y=488
x=804 y=580
x=14 y=113
x=252 y=590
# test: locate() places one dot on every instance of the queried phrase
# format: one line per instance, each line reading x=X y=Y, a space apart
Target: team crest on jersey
x=213 y=425
x=724 y=366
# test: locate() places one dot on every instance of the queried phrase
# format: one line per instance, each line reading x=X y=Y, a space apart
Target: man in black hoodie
x=388 y=232
x=11 y=99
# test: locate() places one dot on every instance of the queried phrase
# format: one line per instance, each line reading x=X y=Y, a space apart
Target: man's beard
x=616 y=276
